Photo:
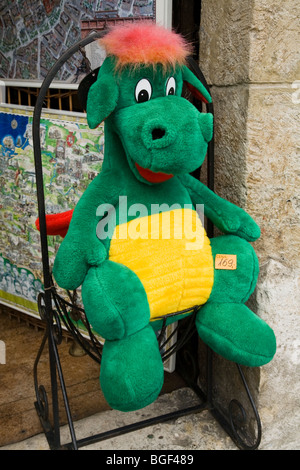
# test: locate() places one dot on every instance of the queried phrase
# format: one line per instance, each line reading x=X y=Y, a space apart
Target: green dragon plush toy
x=136 y=243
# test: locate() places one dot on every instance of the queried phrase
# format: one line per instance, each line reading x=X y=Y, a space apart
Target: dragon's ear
x=102 y=97
x=195 y=86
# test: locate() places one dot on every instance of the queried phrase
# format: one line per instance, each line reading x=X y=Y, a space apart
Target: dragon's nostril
x=158 y=133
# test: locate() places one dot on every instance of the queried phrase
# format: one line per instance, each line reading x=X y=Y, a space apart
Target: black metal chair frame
x=59 y=314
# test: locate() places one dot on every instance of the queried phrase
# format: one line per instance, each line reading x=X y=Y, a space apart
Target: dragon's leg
x=115 y=300
x=131 y=371
x=224 y=323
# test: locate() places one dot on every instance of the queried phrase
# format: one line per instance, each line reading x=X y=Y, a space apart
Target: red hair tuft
x=145 y=43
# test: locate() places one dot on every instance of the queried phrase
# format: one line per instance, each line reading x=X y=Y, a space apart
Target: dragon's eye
x=143 y=91
x=171 y=86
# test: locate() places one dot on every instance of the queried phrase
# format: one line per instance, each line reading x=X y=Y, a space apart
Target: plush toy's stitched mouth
x=152 y=176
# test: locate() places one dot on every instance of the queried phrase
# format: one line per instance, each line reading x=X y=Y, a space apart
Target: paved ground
x=193 y=432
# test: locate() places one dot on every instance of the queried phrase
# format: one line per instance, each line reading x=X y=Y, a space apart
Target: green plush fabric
x=195 y=86
x=234 y=285
x=236 y=333
x=166 y=135
x=132 y=374
x=115 y=300
x=135 y=131
x=228 y=217
x=81 y=248
x=225 y=323
x=103 y=88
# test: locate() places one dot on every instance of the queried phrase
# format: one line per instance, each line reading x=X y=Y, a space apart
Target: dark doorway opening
x=186 y=21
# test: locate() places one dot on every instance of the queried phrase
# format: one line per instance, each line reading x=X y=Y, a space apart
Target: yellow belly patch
x=171 y=254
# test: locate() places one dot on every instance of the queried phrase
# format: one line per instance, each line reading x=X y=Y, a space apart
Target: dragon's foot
x=236 y=333
x=131 y=373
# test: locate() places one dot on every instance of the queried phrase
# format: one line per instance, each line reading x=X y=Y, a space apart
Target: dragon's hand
x=225 y=215
x=73 y=260
x=239 y=223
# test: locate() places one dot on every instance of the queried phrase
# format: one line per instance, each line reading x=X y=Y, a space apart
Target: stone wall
x=248 y=53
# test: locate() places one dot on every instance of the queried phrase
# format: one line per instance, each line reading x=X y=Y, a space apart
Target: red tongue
x=151 y=176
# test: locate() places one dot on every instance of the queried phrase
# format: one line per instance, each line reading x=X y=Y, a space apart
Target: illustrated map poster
x=72 y=156
x=35 y=33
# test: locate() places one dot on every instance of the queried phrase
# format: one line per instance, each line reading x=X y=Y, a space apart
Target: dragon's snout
x=157 y=135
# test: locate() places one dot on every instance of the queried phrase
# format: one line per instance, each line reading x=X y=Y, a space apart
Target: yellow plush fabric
x=171 y=254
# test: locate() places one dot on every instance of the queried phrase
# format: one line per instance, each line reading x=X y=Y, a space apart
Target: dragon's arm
x=228 y=217
x=81 y=248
